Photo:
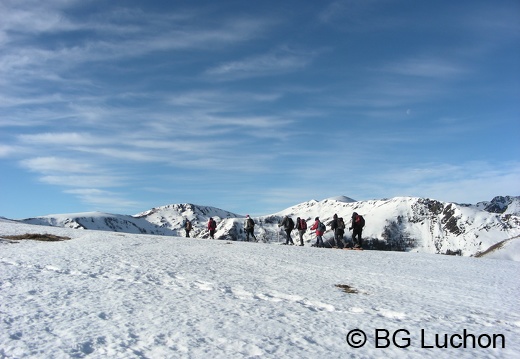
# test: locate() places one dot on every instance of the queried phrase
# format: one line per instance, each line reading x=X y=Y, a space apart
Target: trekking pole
x=326 y=240
x=312 y=234
x=332 y=241
x=323 y=239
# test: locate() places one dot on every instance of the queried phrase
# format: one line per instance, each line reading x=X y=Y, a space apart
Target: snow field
x=105 y=294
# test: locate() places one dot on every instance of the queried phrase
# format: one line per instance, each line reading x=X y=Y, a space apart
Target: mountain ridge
x=399 y=223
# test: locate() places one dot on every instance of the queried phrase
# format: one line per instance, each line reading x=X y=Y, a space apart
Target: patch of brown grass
x=494 y=247
x=44 y=237
x=347 y=289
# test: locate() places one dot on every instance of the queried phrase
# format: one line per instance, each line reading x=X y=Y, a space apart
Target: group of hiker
x=188 y=226
x=337 y=225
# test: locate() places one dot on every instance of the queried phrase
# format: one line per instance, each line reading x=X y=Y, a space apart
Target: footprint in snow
x=356 y=310
x=312 y=305
x=318 y=306
x=268 y=297
x=392 y=315
x=238 y=293
x=204 y=285
x=56 y=269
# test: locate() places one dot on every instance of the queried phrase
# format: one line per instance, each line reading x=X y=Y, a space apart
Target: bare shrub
x=44 y=237
x=347 y=288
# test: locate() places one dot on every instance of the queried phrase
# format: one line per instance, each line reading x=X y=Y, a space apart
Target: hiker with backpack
x=320 y=229
x=212 y=227
x=288 y=225
x=358 y=222
x=334 y=228
x=249 y=228
x=340 y=232
x=187 y=227
x=301 y=226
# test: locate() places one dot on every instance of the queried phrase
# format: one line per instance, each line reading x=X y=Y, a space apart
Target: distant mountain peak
x=342 y=199
x=502 y=205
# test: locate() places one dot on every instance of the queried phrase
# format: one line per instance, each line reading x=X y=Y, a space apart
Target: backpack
x=341 y=224
x=188 y=225
x=251 y=223
x=321 y=227
x=303 y=224
x=290 y=224
x=212 y=225
x=360 y=221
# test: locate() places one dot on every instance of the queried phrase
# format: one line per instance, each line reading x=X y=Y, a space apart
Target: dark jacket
x=358 y=222
x=334 y=223
x=287 y=223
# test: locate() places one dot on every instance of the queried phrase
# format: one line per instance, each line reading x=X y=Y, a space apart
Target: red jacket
x=212 y=225
x=315 y=226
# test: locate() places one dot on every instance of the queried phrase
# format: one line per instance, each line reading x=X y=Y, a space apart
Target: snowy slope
x=118 y=295
x=508 y=250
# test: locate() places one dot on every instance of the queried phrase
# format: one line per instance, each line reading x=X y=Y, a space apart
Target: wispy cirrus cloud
x=31 y=59
x=102 y=198
x=262 y=65
x=7 y=150
x=221 y=100
x=461 y=182
x=82 y=181
x=110 y=95
x=56 y=164
x=114 y=38
x=63 y=139
x=358 y=16
x=71 y=172
x=427 y=67
x=32 y=17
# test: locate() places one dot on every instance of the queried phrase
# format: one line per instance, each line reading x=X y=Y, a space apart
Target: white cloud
x=102 y=199
x=35 y=16
x=64 y=139
x=455 y=182
x=148 y=33
x=6 y=151
x=120 y=153
x=218 y=100
x=84 y=181
x=427 y=67
x=359 y=16
x=262 y=65
x=55 y=164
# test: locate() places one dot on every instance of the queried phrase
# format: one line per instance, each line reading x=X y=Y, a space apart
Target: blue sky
x=254 y=106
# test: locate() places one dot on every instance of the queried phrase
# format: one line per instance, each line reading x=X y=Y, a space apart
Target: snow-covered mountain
x=172 y=217
x=426 y=225
x=164 y=220
x=400 y=223
x=503 y=205
x=102 y=222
